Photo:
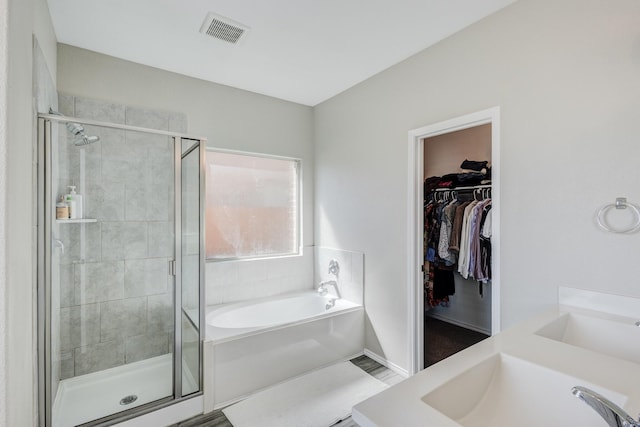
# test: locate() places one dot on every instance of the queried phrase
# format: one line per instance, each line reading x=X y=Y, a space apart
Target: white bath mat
x=317 y=399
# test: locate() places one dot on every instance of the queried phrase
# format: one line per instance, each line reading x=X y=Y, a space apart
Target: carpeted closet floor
x=442 y=339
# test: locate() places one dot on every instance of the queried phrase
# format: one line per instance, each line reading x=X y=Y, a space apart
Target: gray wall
x=565 y=75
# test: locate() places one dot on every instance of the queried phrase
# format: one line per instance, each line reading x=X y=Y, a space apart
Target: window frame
x=299 y=198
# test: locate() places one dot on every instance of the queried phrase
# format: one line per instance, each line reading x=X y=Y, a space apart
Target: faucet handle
x=334 y=267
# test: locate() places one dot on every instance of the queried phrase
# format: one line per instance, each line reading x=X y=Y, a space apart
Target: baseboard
x=461 y=324
x=381 y=360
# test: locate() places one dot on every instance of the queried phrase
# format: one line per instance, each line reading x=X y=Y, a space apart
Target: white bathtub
x=253 y=345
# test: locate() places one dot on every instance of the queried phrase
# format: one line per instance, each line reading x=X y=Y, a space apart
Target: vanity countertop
x=526 y=372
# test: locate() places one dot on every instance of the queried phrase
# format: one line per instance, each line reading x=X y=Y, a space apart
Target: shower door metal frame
x=179 y=157
x=44 y=238
x=177 y=270
x=44 y=219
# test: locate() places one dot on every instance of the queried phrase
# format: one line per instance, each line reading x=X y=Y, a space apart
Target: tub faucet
x=331 y=303
x=322 y=288
x=609 y=411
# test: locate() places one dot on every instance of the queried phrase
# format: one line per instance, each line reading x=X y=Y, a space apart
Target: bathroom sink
x=503 y=390
x=613 y=338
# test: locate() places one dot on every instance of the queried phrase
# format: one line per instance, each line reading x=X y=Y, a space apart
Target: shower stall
x=120 y=280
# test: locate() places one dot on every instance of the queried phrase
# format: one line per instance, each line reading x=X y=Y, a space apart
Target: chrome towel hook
x=620 y=203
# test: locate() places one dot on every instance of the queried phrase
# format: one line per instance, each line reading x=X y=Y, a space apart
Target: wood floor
x=370 y=366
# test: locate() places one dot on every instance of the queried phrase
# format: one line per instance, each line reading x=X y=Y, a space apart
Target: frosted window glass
x=252 y=206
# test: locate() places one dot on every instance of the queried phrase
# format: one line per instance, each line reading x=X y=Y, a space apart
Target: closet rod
x=473 y=187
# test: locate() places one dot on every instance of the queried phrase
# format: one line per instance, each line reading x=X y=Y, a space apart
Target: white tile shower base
x=96 y=395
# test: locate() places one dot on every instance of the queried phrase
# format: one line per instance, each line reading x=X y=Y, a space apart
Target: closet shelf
x=471 y=187
x=76 y=221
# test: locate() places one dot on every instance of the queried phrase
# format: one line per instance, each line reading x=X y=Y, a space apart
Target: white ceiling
x=304 y=51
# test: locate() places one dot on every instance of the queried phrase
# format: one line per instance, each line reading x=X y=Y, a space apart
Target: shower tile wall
x=116 y=293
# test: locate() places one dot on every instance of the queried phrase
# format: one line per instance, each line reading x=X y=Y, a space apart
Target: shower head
x=85 y=139
x=81 y=138
x=77 y=130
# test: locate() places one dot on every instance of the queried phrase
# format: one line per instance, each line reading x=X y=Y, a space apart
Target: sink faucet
x=612 y=413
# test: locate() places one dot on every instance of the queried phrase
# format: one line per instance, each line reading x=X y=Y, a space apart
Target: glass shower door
x=111 y=292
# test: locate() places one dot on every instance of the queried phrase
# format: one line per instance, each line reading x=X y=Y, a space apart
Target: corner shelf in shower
x=76 y=221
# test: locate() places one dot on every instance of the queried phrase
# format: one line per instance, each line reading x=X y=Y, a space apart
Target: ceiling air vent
x=223 y=28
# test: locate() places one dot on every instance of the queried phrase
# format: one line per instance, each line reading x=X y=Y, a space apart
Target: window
x=252 y=205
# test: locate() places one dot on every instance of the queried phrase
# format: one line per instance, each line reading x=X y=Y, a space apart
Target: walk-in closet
x=457 y=241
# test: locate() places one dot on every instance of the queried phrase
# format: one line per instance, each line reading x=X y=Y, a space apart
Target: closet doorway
x=454 y=283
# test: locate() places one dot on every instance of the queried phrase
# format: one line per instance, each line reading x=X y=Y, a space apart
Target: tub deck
x=219 y=334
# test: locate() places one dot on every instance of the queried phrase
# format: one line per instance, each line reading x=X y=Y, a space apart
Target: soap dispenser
x=75 y=203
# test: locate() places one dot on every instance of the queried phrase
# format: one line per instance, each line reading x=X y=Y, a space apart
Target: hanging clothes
x=474 y=238
x=470 y=259
x=484 y=274
x=446 y=228
x=439 y=281
x=457 y=238
x=456 y=229
x=444 y=284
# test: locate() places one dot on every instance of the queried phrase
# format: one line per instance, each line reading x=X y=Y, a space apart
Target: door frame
x=415 y=224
